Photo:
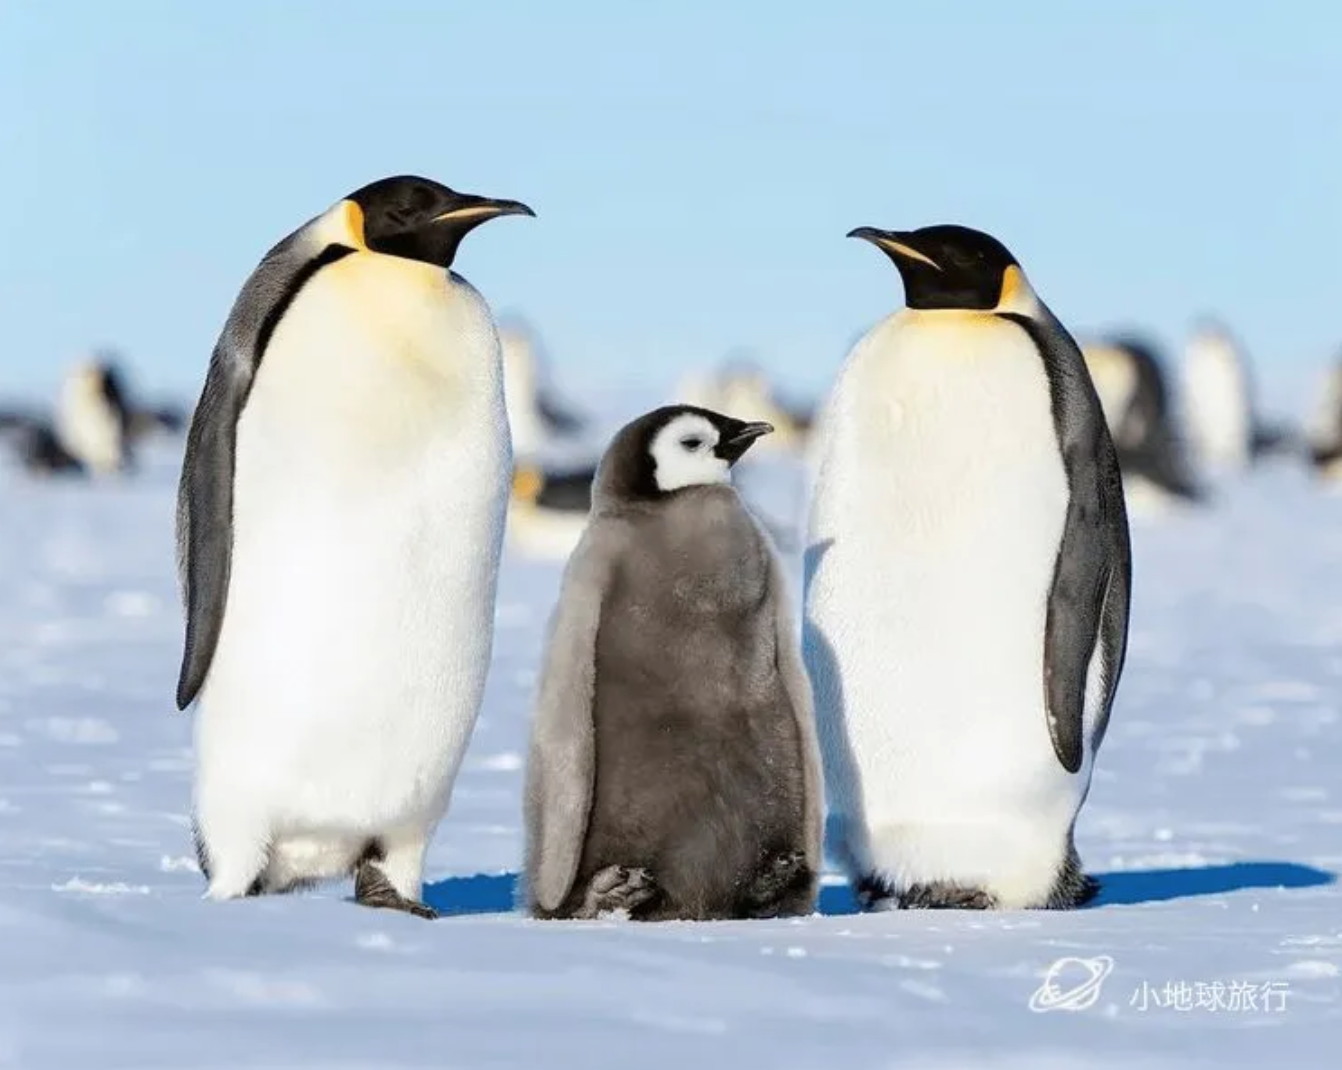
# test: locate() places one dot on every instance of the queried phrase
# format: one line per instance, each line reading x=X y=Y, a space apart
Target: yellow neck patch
x=1014 y=288
x=527 y=483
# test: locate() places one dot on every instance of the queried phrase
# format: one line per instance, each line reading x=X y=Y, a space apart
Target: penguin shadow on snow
x=1138 y=886
x=822 y=664
x=480 y=893
x=495 y=893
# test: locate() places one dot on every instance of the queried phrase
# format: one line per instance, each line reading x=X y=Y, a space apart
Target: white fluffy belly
x=348 y=674
x=357 y=635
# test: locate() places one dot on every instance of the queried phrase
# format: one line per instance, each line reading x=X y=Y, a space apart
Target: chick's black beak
x=739 y=438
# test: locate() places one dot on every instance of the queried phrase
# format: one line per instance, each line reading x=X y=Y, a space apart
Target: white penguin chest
x=371 y=480
x=936 y=525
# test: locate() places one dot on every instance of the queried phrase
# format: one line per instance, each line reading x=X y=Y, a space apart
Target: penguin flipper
x=205 y=491
x=1087 y=608
x=205 y=521
x=561 y=763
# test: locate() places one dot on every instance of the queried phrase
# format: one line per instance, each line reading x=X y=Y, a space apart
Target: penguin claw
x=940 y=895
x=617 y=888
x=776 y=884
x=372 y=889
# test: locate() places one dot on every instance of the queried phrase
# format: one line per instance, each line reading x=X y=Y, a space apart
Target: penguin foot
x=941 y=895
x=1090 y=888
x=874 y=894
x=777 y=881
x=372 y=889
x=617 y=888
x=1074 y=887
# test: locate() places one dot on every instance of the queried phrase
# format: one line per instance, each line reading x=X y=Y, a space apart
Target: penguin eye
x=962 y=258
x=692 y=442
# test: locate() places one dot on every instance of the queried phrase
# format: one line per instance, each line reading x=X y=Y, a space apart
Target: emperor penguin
x=340 y=520
x=742 y=386
x=40 y=452
x=967 y=580
x=547 y=513
x=535 y=416
x=93 y=418
x=1131 y=384
x=1324 y=429
x=1226 y=431
x=673 y=770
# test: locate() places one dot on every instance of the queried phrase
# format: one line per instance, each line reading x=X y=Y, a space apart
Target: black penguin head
x=419 y=219
x=671 y=448
x=948 y=266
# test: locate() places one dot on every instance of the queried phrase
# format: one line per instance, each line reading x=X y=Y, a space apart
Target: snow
x=1214 y=821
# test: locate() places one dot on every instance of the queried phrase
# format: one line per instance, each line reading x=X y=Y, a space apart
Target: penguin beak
x=470 y=211
x=893 y=242
x=437 y=242
x=739 y=439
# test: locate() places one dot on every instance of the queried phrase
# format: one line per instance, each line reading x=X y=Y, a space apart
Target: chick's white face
x=683 y=454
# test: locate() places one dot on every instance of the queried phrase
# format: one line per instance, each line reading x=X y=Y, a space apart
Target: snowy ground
x=1215 y=823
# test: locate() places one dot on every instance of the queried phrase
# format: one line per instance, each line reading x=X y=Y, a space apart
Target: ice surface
x=1215 y=823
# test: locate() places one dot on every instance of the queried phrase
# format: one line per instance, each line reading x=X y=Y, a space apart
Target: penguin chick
x=340 y=523
x=673 y=769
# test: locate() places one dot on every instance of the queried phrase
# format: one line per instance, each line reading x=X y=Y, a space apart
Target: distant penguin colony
x=548 y=507
x=1137 y=407
x=967 y=588
x=535 y=415
x=340 y=523
x=742 y=387
x=96 y=428
x=368 y=441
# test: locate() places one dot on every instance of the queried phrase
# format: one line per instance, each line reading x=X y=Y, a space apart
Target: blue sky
x=694 y=168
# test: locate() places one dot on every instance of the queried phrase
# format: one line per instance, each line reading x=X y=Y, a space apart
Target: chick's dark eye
x=692 y=442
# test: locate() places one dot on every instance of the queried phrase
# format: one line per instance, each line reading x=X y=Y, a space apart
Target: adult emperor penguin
x=1324 y=426
x=340 y=520
x=742 y=386
x=1130 y=381
x=93 y=418
x=1226 y=430
x=673 y=769
x=967 y=588
x=535 y=416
